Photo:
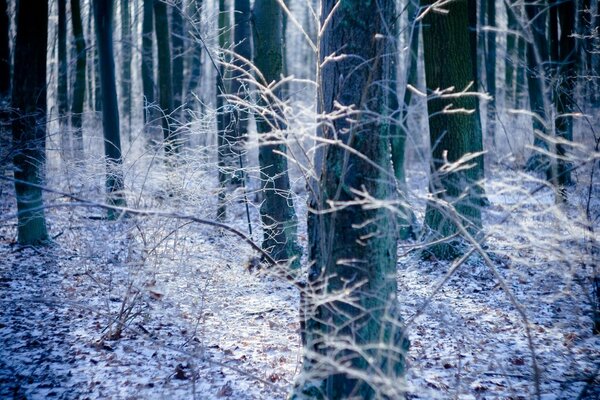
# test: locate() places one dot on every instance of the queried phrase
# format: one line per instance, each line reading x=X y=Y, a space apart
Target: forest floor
x=199 y=324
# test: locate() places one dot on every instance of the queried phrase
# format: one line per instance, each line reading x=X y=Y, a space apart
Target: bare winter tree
x=103 y=18
x=29 y=122
x=354 y=340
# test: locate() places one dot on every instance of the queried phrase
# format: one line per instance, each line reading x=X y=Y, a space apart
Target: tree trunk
x=565 y=89
x=5 y=132
x=243 y=49
x=399 y=129
x=225 y=131
x=195 y=14
x=165 y=89
x=490 y=66
x=4 y=51
x=511 y=55
x=126 y=65
x=29 y=122
x=537 y=61
x=277 y=210
x=79 y=84
x=354 y=341
x=452 y=135
x=103 y=19
x=177 y=36
x=148 y=60
x=62 y=78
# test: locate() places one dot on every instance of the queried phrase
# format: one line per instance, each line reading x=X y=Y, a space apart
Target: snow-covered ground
x=199 y=324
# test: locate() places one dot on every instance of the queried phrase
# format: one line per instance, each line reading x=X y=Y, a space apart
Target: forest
x=300 y=199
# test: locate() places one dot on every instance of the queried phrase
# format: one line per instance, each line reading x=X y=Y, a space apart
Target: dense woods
x=333 y=199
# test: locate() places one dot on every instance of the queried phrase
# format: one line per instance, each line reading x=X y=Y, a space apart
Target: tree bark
x=277 y=210
x=79 y=84
x=126 y=42
x=195 y=14
x=452 y=135
x=399 y=129
x=29 y=122
x=62 y=78
x=103 y=19
x=148 y=60
x=354 y=339
x=177 y=36
x=490 y=66
x=165 y=89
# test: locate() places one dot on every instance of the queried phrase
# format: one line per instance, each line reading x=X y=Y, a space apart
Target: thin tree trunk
x=165 y=89
x=243 y=51
x=452 y=135
x=565 y=90
x=177 y=36
x=511 y=58
x=126 y=65
x=148 y=60
x=399 y=130
x=277 y=210
x=350 y=307
x=225 y=131
x=79 y=84
x=62 y=80
x=29 y=122
x=103 y=18
x=490 y=66
x=537 y=63
x=195 y=14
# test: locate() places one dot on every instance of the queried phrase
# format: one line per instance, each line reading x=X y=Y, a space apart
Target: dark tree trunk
x=452 y=135
x=126 y=64
x=277 y=210
x=148 y=59
x=29 y=122
x=97 y=84
x=354 y=340
x=4 y=51
x=103 y=19
x=195 y=59
x=242 y=41
x=177 y=36
x=490 y=66
x=225 y=130
x=79 y=84
x=165 y=89
x=511 y=56
x=565 y=90
x=5 y=132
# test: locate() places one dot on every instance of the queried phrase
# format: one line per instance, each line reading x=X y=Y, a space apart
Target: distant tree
x=126 y=42
x=242 y=46
x=564 y=57
x=177 y=43
x=29 y=122
x=103 y=19
x=147 y=58
x=490 y=67
x=62 y=78
x=354 y=340
x=538 y=60
x=196 y=49
x=165 y=88
x=453 y=134
x=225 y=130
x=79 y=84
x=277 y=210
